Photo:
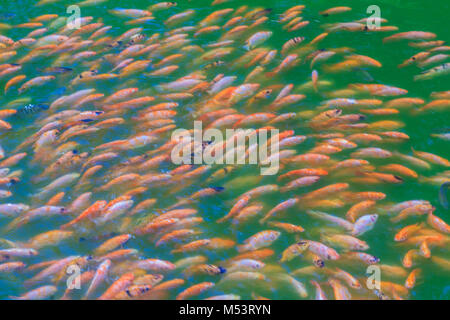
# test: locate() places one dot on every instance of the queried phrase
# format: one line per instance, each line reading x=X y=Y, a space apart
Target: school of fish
x=139 y=221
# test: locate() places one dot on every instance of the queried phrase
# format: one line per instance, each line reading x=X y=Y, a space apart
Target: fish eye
x=74 y=151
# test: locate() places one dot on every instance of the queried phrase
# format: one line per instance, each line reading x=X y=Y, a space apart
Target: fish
x=334 y=10
x=364 y=224
x=442 y=195
x=99 y=276
x=434 y=72
x=294 y=250
x=195 y=290
x=257 y=39
x=40 y=293
x=410 y=35
x=407 y=231
x=340 y=291
x=322 y=250
x=330 y=218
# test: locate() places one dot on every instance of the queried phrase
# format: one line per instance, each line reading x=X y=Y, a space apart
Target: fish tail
x=415 y=111
x=14 y=224
x=263 y=220
x=67 y=225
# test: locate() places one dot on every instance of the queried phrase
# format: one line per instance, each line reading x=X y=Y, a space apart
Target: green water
x=412 y=15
